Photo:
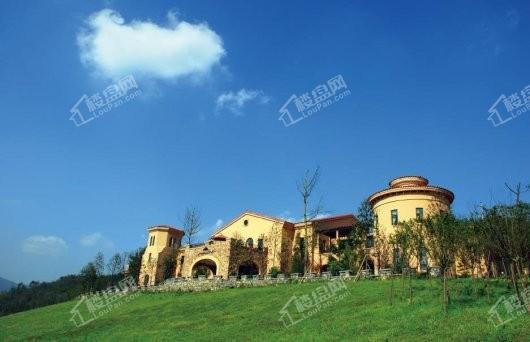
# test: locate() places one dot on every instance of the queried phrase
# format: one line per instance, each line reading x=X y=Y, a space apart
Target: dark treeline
x=95 y=276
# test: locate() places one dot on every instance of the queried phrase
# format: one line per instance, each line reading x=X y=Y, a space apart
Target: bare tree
x=191 y=222
x=99 y=263
x=116 y=264
x=516 y=190
x=305 y=187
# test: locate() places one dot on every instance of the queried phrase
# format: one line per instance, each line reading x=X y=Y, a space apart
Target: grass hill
x=363 y=313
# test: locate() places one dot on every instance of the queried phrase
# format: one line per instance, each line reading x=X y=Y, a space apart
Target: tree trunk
x=515 y=283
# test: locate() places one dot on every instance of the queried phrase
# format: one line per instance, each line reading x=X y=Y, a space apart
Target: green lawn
x=253 y=314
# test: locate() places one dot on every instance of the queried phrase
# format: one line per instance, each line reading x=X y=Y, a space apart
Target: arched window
x=260 y=244
x=250 y=242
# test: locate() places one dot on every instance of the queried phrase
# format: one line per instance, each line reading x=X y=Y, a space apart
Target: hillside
x=6 y=284
x=363 y=312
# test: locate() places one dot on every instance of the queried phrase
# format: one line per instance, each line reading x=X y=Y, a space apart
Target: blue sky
x=205 y=131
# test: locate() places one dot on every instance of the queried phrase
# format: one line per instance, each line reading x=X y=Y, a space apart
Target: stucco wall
x=406 y=206
x=271 y=231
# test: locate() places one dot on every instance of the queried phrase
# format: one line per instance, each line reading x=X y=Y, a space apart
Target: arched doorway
x=368 y=265
x=248 y=268
x=204 y=267
x=146 y=280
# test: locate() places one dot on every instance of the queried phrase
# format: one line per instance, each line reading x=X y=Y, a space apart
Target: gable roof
x=251 y=213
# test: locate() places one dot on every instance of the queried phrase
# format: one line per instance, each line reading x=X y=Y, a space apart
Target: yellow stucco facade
x=407 y=198
x=253 y=243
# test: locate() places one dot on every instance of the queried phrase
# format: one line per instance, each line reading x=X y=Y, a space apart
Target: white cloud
x=235 y=101
x=94 y=239
x=44 y=245
x=142 y=48
x=218 y=223
x=321 y=216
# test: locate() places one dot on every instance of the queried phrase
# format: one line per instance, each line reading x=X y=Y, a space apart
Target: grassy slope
x=252 y=314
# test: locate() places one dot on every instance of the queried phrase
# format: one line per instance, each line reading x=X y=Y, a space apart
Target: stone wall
x=216 y=251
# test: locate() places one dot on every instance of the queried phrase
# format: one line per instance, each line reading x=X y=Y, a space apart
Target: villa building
x=254 y=243
x=406 y=198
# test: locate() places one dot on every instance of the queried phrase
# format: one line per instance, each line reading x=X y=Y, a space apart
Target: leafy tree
x=507 y=230
x=169 y=265
x=383 y=250
x=135 y=263
x=408 y=239
x=89 y=276
x=298 y=264
x=442 y=234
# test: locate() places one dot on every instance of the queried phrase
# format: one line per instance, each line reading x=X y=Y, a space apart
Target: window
x=182 y=260
x=149 y=259
x=152 y=240
x=171 y=242
x=260 y=244
x=394 y=216
x=376 y=223
x=245 y=222
x=370 y=242
x=419 y=213
x=250 y=242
